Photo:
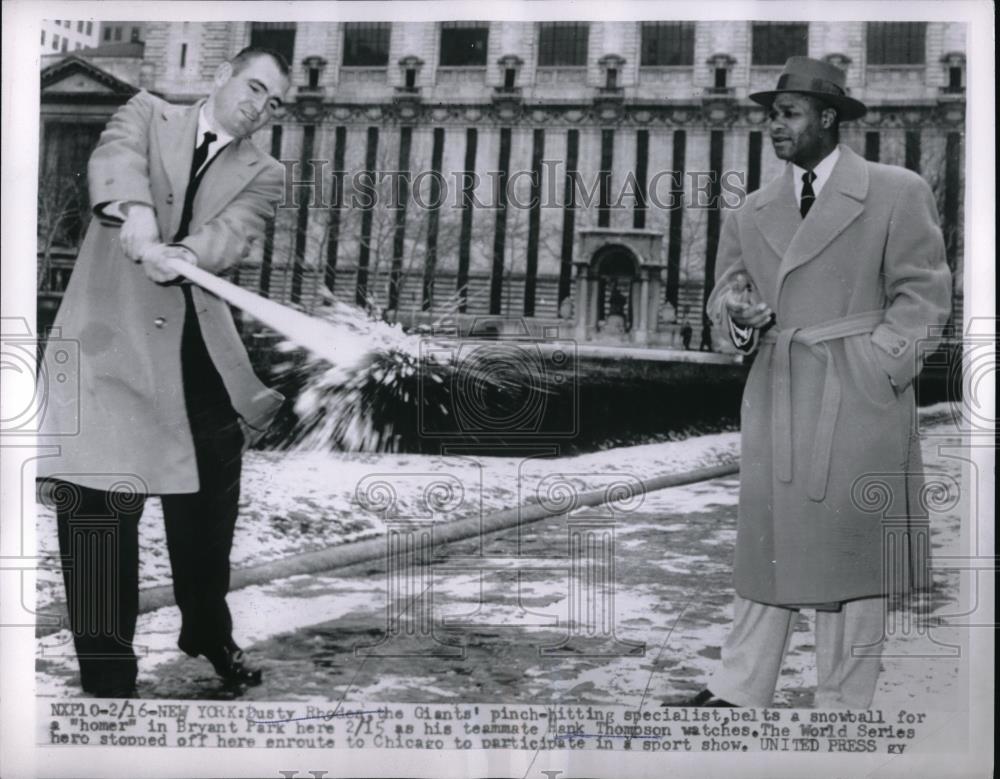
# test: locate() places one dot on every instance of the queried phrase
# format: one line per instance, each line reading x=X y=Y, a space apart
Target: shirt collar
x=222 y=136
x=822 y=171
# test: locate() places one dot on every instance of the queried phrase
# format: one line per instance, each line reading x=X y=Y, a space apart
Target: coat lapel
x=840 y=202
x=776 y=214
x=225 y=178
x=177 y=129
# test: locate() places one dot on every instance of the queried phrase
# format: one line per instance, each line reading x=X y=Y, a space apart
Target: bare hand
x=156 y=261
x=748 y=314
x=743 y=304
x=139 y=230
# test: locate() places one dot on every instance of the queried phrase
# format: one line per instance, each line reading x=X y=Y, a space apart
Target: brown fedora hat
x=819 y=79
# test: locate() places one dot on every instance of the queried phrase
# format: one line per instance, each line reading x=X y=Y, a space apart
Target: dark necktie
x=205 y=395
x=808 y=196
x=200 y=155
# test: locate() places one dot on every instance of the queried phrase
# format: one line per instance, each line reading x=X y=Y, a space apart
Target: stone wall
x=909 y=110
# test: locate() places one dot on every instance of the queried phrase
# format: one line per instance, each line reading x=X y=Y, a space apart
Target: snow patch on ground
x=294 y=502
x=673 y=594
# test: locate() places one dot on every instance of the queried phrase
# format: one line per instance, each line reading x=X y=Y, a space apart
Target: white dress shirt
x=115 y=209
x=822 y=171
x=221 y=141
x=745 y=338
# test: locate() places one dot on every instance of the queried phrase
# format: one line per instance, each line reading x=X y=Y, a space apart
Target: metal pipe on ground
x=333 y=558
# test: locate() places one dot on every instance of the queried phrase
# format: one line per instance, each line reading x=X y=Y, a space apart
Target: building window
x=118 y=33
x=66 y=23
x=55 y=43
x=136 y=35
x=277 y=36
x=43 y=37
x=366 y=44
x=667 y=43
x=65 y=44
x=463 y=44
x=79 y=26
x=90 y=28
x=184 y=55
x=562 y=43
x=955 y=79
x=107 y=33
x=775 y=42
x=896 y=43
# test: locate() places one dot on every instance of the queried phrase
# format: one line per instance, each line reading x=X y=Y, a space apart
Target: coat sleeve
x=917 y=284
x=728 y=264
x=225 y=240
x=118 y=169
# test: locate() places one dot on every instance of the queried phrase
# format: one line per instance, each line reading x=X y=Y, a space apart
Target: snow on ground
x=299 y=502
x=672 y=594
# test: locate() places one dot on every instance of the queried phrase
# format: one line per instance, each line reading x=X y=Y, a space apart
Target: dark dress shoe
x=705 y=699
x=232 y=664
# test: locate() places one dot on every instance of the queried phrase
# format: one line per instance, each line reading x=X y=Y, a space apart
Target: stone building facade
x=532 y=169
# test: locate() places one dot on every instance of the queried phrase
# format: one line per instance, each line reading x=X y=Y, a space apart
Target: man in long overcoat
x=835 y=273
x=164 y=400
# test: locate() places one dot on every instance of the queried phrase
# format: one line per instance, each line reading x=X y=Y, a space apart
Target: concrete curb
x=341 y=556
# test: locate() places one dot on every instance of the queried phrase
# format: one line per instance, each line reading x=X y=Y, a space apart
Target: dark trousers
x=99 y=539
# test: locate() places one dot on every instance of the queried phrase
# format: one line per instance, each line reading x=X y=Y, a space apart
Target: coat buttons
x=895 y=350
x=160 y=322
x=170 y=199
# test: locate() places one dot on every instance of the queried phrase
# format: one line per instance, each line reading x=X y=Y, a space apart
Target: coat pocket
x=868 y=373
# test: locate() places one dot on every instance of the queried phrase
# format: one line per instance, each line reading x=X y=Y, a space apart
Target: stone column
x=582 y=305
x=655 y=295
x=638 y=307
x=641 y=329
x=592 y=308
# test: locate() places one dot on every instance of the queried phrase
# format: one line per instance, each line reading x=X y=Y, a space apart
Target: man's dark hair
x=250 y=53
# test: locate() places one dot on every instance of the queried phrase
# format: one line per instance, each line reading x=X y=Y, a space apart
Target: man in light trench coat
x=835 y=272
x=165 y=399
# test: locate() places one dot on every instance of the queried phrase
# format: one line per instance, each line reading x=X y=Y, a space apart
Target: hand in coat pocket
x=873 y=378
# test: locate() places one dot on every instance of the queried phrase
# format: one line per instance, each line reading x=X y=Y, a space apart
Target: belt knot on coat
x=817 y=337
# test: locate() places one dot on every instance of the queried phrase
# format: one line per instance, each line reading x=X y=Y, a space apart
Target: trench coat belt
x=816 y=337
